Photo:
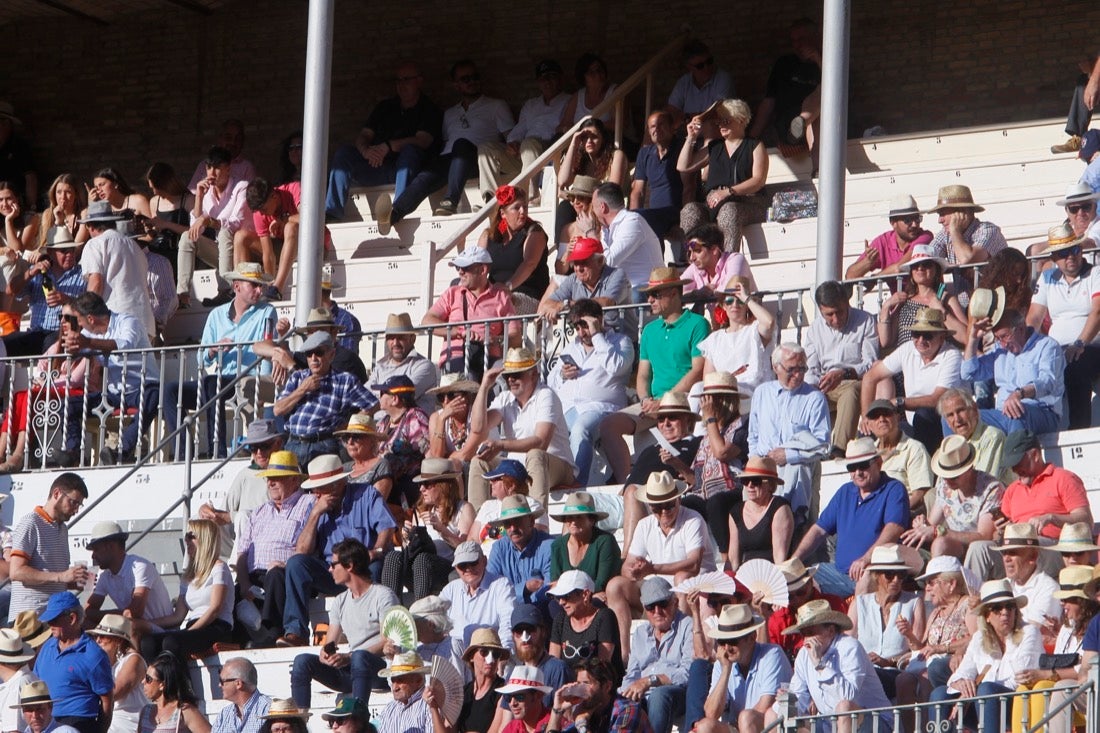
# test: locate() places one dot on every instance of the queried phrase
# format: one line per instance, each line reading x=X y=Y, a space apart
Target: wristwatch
x=654 y=681
x=900 y=403
x=1079 y=344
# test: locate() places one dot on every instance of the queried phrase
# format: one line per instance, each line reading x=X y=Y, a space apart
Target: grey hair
x=956 y=394
x=788 y=348
x=244 y=670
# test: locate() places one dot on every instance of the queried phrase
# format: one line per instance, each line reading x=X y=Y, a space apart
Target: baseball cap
x=58 y=604
x=584 y=248
x=511 y=468
x=472 y=256
x=1090 y=145
x=468 y=551
x=1016 y=445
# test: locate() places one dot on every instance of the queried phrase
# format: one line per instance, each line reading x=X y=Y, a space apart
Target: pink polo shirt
x=729 y=264
x=495 y=302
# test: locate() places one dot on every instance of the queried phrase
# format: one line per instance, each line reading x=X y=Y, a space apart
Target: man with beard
x=401 y=358
x=890 y=249
x=525 y=558
x=524 y=695
x=592 y=704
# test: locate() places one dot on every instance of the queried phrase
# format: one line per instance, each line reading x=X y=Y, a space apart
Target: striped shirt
x=44 y=544
x=46 y=317
x=269 y=533
x=249 y=721
x=414 y=717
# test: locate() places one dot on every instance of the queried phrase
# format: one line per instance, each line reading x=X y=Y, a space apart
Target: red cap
x=584 y=248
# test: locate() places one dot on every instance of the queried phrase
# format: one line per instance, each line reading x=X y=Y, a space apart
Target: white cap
x=472 y=256
x=570 y=581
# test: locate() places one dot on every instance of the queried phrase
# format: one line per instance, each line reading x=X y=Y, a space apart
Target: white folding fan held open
x=763 y=577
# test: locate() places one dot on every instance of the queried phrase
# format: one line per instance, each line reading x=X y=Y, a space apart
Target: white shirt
x=1016 y=658
x=729 y=351
x=521 y=422
x=136 y=572
x=631 y=246
x=689 y=533
x=601 y=385
x=489 y=607
x=922 y=379
x=485 y=120
x=125 y=273
x=1039 y=591
x=539 y=119
x=845 y=672
x=692 y=100
x=1068 y=304
x=11 y=718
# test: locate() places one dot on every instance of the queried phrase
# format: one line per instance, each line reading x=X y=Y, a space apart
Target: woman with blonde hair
x=737 y=169
x=66 y=200
x=205 y=603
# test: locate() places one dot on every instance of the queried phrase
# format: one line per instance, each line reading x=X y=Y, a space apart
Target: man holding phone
x=53 y=280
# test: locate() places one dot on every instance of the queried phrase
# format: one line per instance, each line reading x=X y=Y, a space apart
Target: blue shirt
x=672 y=656
x=251 y=719
x=489 y=606
x=779 y=415
x=768 y=669
x=613 y=285
x=327 y=408
x=48 y=317
x=362 y=516
x=1091 y=176
x=845 y=672
x=1041 y=363
x=520 y=566
x=76 y=676
x=256 y=324
x=666 y=188
x=859 y=521
x=133 y=370
x=1092 y=636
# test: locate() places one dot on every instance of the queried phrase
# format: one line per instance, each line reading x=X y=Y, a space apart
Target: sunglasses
x=709 y=61
x=754 y=481
x=667 y=418
x=516 y=697
x=466 y=567
x=1001 y=608
x=667 y=506
x=891 y=574
x=319 y=353
x=190 y=537
x=1062 y=254
x=353 y=438
x=263 y=447
x=861 y=466
x=909 y=218
x=923 y=336
x=1078 y=208
x=294 y=146
x=659 y=604
x=732 y=300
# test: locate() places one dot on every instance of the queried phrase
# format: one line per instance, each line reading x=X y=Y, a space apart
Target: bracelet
x=558 y=711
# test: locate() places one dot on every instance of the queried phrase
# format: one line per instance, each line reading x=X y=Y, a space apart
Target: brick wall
x=155 y=85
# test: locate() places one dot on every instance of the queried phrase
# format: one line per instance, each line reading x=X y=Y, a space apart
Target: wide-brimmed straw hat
x=515 y=506
x=955 y=457
x=1076 y=581
x=34 y=693
x=113 y=624
x=523 y=678
x=986 y=303
x=581 y=186
x=520 y=359
x=281 y=463
x=903 y=205
x=252 y=272
x=282 y=709
x=663 y=277
x=436 y=469
x=107 y=530
x=1061 y=237
x=1018 y=536
x=955 y=196
x=815 y=613
x=734 y=621
x=578 y=504
x=399 y=324
x=998 y=591
x=325 y=470
x=763 y=467
x=895 y=557
x=487 y=638
x=13 y=650
x=405 y=663
x=720 y=383
x=659 y=488
x=360 y=424
x=923 y=253
x=31 y=629
x=676 y=403
x=61 y=238
x=318 y=318
x=1078 y=193
x=929 y=320
x=796 y=574
x=858 y=451
x=1075 y=537
x=454 y=382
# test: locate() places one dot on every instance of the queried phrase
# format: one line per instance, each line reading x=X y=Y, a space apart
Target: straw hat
x=675 y=403
x=763 y=467
x=903 y=205
x=998 y=591
x=252 y=272
x=1075 y=582
x=858 y=451
x=663 y=277
x=317 y=318
x=281 y=463
x=1060 y=237
x=954 y=197
x=436 y=469
x=523 y=678
x=325 y=470
x=405 y=663
x=360 y=424
x=113 y=624
x=581 y=186
x=518 y=360
x=60 y=238
x=1075 y=537
x=734 y=622
x=34 y=693
x=796 y=574
x=282 y=709
x=455 y=382
x=895 y=557
x=31 y=629
x=515 y=506
x=923 y=253
x=929 y=320
x=955 y=457
x=578 y=504
x=720 y=383
x=815 y=613
x=659 y=488
x=399 y=324
x=13 y=649
x=1077 y=193
x=487 y=638
x=1018 y=536
x=107 y=531
x=986 y=303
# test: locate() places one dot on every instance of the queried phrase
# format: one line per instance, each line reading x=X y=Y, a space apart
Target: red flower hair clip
x=506 y=195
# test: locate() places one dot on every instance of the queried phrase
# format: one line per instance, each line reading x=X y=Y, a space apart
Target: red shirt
x=518 y=726
x=1054 y=491
x=783 y=618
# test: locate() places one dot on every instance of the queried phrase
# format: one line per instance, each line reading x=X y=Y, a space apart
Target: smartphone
x=73 y=325
x=330 y=648
x=997 y=514
x=483 y=449
x=567 y=359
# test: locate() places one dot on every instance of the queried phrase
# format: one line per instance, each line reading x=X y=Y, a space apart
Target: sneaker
x=383 y=210
x=1072 y=145
x=270 y=292
x=219 y=299
x=446 y=208
x=798 y=129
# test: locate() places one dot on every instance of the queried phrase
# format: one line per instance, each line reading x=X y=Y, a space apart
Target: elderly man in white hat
x=402 y=358
x=131 y=582
x=478 y=598
x=47 y=285
x=114 y=266
x=872 y=509
x=673 y=541
x=416 y=706
x=833 y=673
x=431 y=615
x=890 y=249
x=1066 y=295
x=1019 y=550
x=746 y=677
x=15 y=654
x=341 y=511
x=318 y=320
x=531 y=422
x=472 y=348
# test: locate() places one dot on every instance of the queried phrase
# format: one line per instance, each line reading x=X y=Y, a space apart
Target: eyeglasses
x=1063 y=253
x=574 y=198
x=861 y=466
x=262 y=447
x=516 y=697
x=190 y=537
x=514 y=377
x=334 y=563
x=1001 y=607
x=652 y=607
x=1078 y=208
x=667 y=506
x=923 y=336
x=733 y=300
x=77 y=501
x=708 y=61
x=667 y=418
x=353 y=438
x=468 y=78
x=226 y=681
x=337 y=722
x=797 y=369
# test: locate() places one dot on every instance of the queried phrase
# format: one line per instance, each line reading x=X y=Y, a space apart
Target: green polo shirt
x=670 y=347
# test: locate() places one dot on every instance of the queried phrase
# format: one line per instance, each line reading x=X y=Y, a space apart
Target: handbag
x=1059 y=661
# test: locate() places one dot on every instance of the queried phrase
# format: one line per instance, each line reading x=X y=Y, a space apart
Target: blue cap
x=1090 y=145
x=509 y=467
x=397 y=384
x=58 y=604
x=527 y=614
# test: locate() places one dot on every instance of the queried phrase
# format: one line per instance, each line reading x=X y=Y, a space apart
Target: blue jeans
x=357 y=678
x=833 y=582
x=349 y=167
x=307 y=450
x=698 y=688
x=990 y=719
x=1036 y=419
x=454 y=169
x=664 y=705
x=306 y=576
x=583 y=431
x=939 y=670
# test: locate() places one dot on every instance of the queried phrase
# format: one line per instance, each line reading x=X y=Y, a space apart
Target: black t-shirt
x=576 y=646
x=390 y=121
x=649 y=460
x=477 y=715
x=791 y=81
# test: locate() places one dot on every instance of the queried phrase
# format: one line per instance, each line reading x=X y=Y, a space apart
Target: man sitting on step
x=402 y=359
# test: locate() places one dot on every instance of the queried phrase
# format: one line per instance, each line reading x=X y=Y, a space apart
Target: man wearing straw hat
x=401 y=358
x=130 y=581
x=1069 y=295
x=1019 y=550
x=115 y=267
x=523 y=554
x=14 y=673
x=36 y=707
x=747 y=676
x=1080 y=207
x=532 y=427
x=890 y=249
x=416 y=705
x=964 y=239
x=1076 y=544
x=47 y=285
x=801 y=590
